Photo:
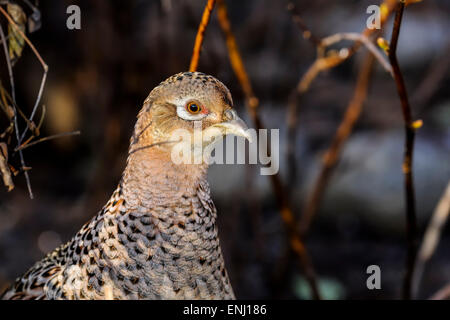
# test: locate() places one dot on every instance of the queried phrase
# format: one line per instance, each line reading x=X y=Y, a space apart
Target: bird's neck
x=151 y=178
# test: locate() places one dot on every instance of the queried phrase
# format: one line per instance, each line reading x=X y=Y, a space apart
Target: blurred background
x=100 y=75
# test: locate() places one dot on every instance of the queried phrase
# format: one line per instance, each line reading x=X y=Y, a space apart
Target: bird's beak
x=234 y=125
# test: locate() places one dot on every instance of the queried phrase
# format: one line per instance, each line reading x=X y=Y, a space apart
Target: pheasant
x=156 y=238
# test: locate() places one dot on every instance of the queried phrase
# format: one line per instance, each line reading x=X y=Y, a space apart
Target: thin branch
x=431 y=238
x=252 y=103
x=38 y=99
x=236 y=62
x=326 y=62
x=353 y=36
x=52 y=137
x=44 y=66
x=13 y=94
x=200 y=35
x=411 y=220
x=332 y=154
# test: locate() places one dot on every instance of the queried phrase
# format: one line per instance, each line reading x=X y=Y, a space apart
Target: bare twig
x=353 y=36
x=332 y=154
x=411 y=220
x=38 y=99
x=252 y=103
x=44 y=66
x=431 y=238
x=236 y=62
x=334 y=59
x=52 y=137
x=13 y=94
x=200 y=35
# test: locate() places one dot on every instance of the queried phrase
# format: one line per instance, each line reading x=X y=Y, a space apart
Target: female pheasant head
x=169 y=122
x=181 y=106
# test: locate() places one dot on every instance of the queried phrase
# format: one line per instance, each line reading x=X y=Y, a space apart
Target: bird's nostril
x=230 y=114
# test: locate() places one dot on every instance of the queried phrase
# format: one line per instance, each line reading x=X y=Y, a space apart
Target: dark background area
x=100 y=75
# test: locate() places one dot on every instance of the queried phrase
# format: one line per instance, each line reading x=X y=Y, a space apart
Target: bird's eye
x=193 y=107
x=191 y=110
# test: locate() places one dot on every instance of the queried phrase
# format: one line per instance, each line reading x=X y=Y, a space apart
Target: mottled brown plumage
x=156 y=238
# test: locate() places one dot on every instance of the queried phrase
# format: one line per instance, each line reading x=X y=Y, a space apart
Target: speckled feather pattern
x=156 y=238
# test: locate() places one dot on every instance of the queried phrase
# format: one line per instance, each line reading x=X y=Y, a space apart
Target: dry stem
x=52 y=137
x=39 y=96
x=13 y=94
x=411 y=220
x=44 y=66
x=200 y=35
x=364 y=40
